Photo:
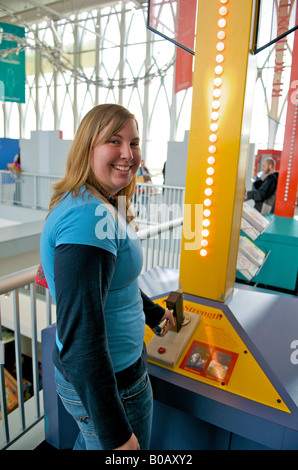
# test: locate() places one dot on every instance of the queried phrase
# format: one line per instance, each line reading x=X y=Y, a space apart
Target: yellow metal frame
x=208 y=269
x=213 y=275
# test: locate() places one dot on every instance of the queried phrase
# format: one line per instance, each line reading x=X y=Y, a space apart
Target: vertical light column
x=288 y=174
x=218 y=150
x=214 y=118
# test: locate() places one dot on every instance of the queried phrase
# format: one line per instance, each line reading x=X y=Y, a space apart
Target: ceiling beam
x=47 y=10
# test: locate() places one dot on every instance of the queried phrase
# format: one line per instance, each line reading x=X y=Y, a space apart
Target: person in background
x=92 y=257
x=15 y=166
x=264 y=188
x=15 y=170
x=143 y=176
x=143 y=171
x=164 y=172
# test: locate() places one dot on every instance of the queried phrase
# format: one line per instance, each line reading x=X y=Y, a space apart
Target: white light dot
x=223 y=11
x=212 y=149
x=224 y=1
x=204 y=243
x=207 y=212
x=219 y=58
x=216 y=104
x=212 y=138
x=207 y=202
x=214 y=127
x=217 y=81
x=206 y=223
x=220 y=46
x=205 y=233
x=203 y=252
x=214 y=116
x=222 y=23
x=209 y=181
x=216 y=93
x=221 y=35
x=218 y=70
x=208 y=192
x=210 y=171
x=211 y=160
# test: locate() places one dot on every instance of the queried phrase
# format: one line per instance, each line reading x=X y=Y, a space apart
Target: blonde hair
x=112 y=118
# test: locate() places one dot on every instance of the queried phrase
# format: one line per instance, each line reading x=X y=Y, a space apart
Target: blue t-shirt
x=86 y=220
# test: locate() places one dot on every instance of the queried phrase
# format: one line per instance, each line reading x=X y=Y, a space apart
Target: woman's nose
x=126 y=152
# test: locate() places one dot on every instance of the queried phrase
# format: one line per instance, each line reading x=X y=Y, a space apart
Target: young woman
x=92 y=257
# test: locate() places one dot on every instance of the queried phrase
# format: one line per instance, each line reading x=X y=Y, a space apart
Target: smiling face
x=116 y=161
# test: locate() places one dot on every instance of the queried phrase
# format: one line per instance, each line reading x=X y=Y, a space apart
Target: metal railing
x=27 y=189
x=155 y=204
x=162 y=244
x=161 y=247
x=151 y=202
x=10 y=286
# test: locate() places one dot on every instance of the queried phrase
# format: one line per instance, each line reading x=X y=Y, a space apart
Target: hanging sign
x=12 y=64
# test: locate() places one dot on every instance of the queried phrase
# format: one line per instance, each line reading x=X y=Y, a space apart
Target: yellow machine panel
x=217 y=356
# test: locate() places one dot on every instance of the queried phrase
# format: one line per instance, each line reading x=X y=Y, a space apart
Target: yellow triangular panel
x=217 y=356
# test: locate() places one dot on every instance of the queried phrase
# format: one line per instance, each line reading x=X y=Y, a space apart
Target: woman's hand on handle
x=131 y=444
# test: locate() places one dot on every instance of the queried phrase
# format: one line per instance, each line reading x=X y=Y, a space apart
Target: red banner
x=288 y=172
x=185 y=27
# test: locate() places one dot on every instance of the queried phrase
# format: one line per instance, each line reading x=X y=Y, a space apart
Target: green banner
x=12 y=65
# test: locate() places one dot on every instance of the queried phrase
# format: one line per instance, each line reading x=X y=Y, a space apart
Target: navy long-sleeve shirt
x=92 y=259
x=82 y=278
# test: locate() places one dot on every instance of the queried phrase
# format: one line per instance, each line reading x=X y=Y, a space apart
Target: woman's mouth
x=122 y=168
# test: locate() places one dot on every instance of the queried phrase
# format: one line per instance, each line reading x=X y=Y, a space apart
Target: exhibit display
x=228 y=363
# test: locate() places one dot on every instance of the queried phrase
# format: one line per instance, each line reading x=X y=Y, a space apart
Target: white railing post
x=158 y=252
x=18 y=353
x=11 y=284
x=3 y=403
x=35 y=194
x=35 y=369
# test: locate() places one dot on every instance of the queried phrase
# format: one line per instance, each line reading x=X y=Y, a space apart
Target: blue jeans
x=137 y=401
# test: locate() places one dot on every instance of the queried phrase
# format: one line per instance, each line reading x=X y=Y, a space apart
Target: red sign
x=186 y=17
x=288 y=173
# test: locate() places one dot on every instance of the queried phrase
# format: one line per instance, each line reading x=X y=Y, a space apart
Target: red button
x=161 y=350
